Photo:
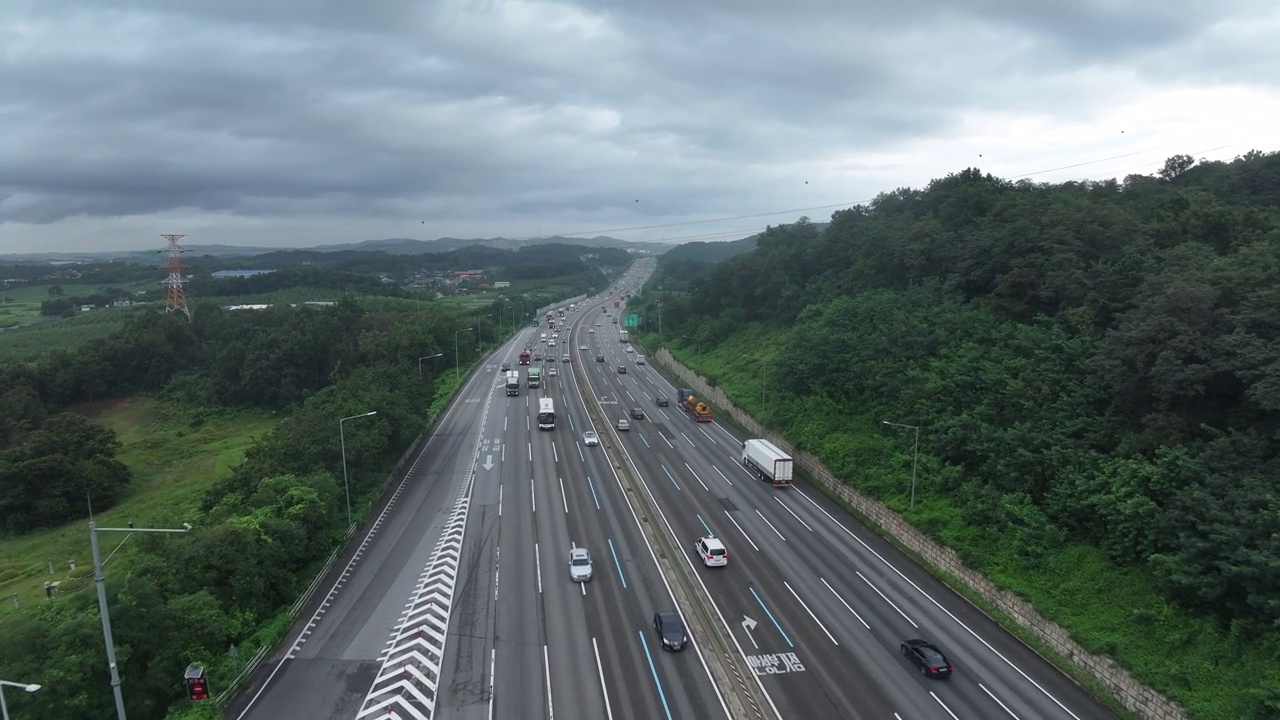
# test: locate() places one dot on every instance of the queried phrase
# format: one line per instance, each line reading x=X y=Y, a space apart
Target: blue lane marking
x=593 y=492
x=669 y=477
x=617 y=564
x=705 y=526
x=661 y=695
x=771 y=617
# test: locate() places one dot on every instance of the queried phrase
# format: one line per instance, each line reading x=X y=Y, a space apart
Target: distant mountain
x=391 y=246
x=714 y=252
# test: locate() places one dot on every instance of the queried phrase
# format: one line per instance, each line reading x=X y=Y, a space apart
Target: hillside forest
x=260 y=533
x=1095 y=371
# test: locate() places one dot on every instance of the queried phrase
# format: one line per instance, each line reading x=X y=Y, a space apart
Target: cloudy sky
x=303 y=122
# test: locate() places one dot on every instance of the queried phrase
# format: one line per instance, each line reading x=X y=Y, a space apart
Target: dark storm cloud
x=464 y=108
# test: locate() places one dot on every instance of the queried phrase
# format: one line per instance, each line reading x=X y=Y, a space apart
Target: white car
x=580 y=565
x=712 y=551
x=591 y=331
x=629 y=349
x=582 y=348
x=551 y=371
x=590 y=438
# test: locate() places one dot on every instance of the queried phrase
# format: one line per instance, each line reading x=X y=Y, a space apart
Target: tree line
x=1091 y=362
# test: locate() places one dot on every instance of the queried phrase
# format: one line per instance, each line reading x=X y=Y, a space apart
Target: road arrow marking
x=488 y=462
x=748 y=625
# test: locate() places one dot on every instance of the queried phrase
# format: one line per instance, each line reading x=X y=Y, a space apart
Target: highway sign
x=632 y=321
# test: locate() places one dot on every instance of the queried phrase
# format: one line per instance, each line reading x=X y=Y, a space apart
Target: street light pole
x=457 y=366
x=915 y=456
x=99 y=579
x=426 y=357
x=4 y=709
x=342 y=439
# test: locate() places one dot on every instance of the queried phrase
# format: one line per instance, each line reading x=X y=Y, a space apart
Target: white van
x=639 y=359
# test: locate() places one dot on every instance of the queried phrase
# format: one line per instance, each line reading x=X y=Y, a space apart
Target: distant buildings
x=239 y=273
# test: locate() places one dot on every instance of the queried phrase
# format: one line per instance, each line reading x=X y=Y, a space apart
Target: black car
x=506 y=367
x=599 y=358
x=622 y=369
x=927 y=658
x=670 y=629
x=663 y=402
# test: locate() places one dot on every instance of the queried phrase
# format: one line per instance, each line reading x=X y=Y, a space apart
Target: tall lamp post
x=102 y=599
x=426 y=357
x=342 y=439
x=29 y=687
x=915 y=455
x=457 y=366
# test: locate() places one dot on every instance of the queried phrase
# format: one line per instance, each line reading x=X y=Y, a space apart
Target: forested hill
x=1093 y=362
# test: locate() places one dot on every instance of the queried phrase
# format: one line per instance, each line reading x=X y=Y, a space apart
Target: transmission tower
x=177 y=298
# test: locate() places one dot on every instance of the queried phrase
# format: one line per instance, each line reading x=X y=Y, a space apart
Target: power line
x=792 y=211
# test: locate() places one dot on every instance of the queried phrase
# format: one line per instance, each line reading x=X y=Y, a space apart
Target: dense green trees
x=1090 y=362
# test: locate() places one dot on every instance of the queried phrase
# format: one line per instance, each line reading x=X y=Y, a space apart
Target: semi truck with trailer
x=768 y=462
x=513 y=382
x=534 y=377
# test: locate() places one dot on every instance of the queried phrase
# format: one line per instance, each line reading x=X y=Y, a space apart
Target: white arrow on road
x=488 y=462
x=748 y=624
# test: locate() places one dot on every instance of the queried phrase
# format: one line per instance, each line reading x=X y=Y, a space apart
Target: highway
x=818 y=601
x=456 y=601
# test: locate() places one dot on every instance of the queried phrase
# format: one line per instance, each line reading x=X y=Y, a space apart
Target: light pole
x=426 y=357
x=29 y=687
x=915 y=455
x=102 y=600
x=457 y=366
x=342 y=439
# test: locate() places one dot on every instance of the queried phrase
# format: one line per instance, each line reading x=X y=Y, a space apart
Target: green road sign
x=632 y=321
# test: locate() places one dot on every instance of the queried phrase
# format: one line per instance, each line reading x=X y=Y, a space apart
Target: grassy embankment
x=173 y=463
x=1109 y=609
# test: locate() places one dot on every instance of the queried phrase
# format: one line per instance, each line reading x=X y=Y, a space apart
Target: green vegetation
x=32 y=341
x=226 y=421
x=1096 y=374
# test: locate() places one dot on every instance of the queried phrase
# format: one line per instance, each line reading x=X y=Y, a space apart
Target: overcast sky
x=304 y=122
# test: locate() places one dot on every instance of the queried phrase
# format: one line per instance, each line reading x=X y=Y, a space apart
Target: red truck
x=524 y=357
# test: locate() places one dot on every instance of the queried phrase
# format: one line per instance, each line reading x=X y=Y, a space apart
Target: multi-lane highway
x=458 y=602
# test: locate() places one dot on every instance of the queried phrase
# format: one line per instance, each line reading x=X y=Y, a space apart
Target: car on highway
x=590 y=438
x=639 y=359
x=670 y=629
x=565 y=358
x=622 y=369
x=599 y=358
x=637 y=413
x=538 y=357
x=615 y=321
x=552 y=371
x=506 y=366
x=927 y=658
x=663 y=401
x=591 y=331
x=624 y=424
x=712 y=551
x=629 y=349
x=580 y=565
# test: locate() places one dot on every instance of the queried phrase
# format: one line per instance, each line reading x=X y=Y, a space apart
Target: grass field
x=31 y=341
x=173 y=462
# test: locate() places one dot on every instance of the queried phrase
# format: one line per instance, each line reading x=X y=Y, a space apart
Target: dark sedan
x=670 y=629
x=927 y=658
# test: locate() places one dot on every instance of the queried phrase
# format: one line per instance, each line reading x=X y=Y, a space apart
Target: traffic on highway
x=594 y=542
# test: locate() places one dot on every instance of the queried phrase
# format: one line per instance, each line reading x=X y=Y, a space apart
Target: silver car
x=590 y=438
x=580 y=565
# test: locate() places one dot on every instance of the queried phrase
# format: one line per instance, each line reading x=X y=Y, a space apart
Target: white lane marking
x=726 y=477
x=608 y=711
x=546 y=664
x=744 y=532
x=533 y=496
x=886 y=599
x=793 y=514
x=499 y=501
x=771 y=527
x=537 y=561
x=564 y=498
x=846 y=605
x=696 y=477
x=937 y=604
x=493 y=666
x=806 y=609
x=944 y=706
x=1002 y=705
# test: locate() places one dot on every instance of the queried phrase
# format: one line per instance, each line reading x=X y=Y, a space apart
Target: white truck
x=513 y=382
x=767 y=462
